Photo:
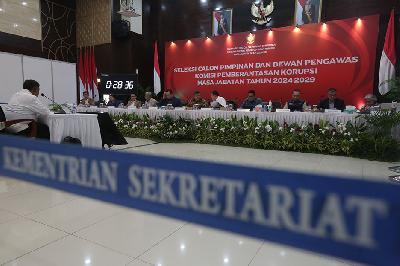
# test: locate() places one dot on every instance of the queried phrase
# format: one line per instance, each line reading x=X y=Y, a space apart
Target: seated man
x=197 y=100
x=370 y=102
x=296 y=104
x=25 y=105
x=332 y=102
x=114 y=102
x=218 y=102
x=169 y=98
x=134 y=102
x=149 y=100
x=251 y=101
x=87 y=101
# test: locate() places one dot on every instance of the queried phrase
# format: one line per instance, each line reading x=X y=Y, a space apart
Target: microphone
x=52 y=100
x=43 y=95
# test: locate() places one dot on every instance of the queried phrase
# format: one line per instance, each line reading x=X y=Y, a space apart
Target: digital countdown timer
x=118 y=83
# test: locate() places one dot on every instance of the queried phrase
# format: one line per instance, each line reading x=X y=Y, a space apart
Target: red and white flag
x=388 y=59
x=299 y=11
x=86 y=71
x=82 y=77
x=88 y=64
x=157 y=80
x=93 y=72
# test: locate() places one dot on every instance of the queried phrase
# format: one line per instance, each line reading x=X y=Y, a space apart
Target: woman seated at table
x=114 y=102
x=133 y=102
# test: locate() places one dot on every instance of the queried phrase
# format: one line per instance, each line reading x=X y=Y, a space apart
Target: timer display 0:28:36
x=120 y=84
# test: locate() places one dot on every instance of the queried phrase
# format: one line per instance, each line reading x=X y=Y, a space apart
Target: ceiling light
x=35 y=19
x=1 y=10
x=24 y=3
x=15 y=25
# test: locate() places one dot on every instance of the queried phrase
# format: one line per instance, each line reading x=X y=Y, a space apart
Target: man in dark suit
x=251 y=101
x=296 y=104
x=332 y=102
x=113 y=101
x=169 y=98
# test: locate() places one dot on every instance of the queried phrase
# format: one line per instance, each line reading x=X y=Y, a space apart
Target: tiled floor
x=44 y=227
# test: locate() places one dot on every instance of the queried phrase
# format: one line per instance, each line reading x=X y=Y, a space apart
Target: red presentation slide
x=339 y=54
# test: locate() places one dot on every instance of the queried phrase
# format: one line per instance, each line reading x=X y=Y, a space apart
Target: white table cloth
x=82 y=126
x=281 y=118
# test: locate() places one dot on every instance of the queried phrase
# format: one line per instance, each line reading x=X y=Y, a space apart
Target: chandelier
x=126 y=9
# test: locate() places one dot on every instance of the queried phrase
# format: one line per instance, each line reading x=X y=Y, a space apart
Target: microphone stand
x=54 y=104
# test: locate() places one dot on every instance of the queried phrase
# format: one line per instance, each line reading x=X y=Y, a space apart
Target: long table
x=281 y=118
x=82 y=126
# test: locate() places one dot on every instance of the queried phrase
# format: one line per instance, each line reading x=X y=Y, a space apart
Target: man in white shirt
x=25 y=105
x=217 y=101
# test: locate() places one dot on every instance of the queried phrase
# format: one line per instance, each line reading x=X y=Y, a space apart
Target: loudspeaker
x=120 y=29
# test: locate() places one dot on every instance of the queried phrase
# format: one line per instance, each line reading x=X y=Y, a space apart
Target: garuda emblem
x=262 y=14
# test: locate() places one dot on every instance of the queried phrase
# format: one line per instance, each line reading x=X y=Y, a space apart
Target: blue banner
x=352 y=219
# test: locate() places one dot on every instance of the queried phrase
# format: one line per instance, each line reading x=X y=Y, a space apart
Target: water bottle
x=270 y=106
x=264 y=108
x=74 y=108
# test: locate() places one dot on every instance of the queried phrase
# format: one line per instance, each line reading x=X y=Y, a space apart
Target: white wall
x=57 y=79
x=10 y=75
x=64 y=82
x=39 y=69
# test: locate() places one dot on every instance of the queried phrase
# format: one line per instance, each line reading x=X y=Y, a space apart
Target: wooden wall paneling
x=93 y=19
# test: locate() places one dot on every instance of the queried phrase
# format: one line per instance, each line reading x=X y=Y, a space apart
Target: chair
x=4 y=124
x=276 y=105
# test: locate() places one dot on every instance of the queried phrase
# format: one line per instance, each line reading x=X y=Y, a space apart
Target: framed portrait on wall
x=307 y=12
x=222 y=22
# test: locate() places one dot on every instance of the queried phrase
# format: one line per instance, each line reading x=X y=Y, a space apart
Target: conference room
x=199 y=132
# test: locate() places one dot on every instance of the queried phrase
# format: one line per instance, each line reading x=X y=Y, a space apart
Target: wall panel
x=10 y=75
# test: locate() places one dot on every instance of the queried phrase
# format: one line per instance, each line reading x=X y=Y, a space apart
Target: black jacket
x=339 y=104
x=174 y=101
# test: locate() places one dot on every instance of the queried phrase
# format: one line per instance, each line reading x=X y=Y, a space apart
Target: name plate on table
x=179 y=108
x=243 y=110
x=332 y=111
x=153 y=108
x=283 y=110
x=206 y=109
